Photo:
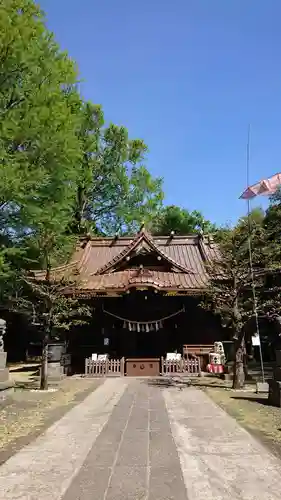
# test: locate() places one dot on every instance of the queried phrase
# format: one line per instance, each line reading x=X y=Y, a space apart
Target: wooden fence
x=181 y=367
x=200 y=351
x=116 y=367
x=107 y=368
x=197 y=349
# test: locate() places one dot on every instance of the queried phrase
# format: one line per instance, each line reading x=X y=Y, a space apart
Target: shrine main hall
x=145 y=293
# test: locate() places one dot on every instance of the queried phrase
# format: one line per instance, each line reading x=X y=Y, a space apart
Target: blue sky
x=187 y=76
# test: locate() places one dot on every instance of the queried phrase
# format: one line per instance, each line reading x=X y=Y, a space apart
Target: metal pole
x=251 y=257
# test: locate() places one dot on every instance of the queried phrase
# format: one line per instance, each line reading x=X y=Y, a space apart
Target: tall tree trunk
x=238 y=370
x=239 y=344
x=246 y=367
x=44 y=366
x=79 y=209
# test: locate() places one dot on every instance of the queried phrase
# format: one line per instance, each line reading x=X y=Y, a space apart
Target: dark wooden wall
x=194 y=326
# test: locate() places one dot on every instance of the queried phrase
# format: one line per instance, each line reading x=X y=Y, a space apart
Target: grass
x=28 y=413
x=252 y=411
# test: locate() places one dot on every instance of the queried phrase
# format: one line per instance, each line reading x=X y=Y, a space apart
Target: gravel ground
x=28 y=413
x=252 y=411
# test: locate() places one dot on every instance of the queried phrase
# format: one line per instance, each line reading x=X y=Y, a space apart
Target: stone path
x=131 y=440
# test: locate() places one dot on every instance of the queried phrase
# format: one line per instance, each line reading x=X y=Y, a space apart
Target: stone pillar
x=55 y=371
x=4 y=372
x=55 y=368
x=274 y=393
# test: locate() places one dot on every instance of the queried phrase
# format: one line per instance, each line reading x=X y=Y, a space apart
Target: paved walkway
x=130 y=440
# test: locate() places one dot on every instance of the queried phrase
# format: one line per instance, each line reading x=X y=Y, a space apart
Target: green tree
x=230 y=289
x=50 y=303
x=180 y=220
x=90 y=137
x=39 y=147
x=115 y=190
x=272 y=228
x=268 y=246
x=142 y=201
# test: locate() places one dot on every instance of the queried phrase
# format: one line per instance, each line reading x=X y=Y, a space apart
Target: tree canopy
x=245 y=279
x=39 y=147
x=63 y=171
x=181 y=221
x=115 y=191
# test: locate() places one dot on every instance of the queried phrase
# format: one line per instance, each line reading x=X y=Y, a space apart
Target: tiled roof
x=158 y=279
x=96 y=263
x=141 y=238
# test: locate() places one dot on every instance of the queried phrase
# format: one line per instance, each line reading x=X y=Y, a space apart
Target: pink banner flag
x=264 y=187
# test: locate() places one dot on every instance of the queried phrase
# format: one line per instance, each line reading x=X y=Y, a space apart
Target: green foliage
x=39 y=147
x=115 y=191
x=50 y=306
x=180 y=220
x=269 y=244
x=89 y=134
x=272 y=226
x=229 y=290
x=37 y=128
x=62 y=172
x=145 y=198
x=232 y=296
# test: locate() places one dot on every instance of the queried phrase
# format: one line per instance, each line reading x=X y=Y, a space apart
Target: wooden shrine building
x=145 y=292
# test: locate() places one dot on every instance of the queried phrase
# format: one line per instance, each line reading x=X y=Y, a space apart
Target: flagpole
x=251 y=255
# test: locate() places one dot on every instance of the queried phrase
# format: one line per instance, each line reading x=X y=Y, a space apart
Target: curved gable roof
x=95 y=258
x=141 y=237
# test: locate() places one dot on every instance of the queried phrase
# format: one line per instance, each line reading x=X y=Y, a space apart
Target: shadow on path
x=254 y=399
